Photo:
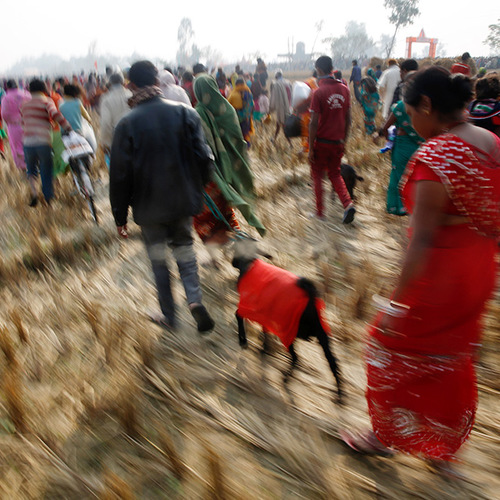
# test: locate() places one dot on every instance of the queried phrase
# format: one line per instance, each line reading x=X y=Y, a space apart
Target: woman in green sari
x=370 y=102
x=232 y=185
x=406 y=142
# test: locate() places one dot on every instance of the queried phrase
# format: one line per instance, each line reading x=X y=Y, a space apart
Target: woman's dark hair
x=324 y=63
x=488 y=88
x=187 y=76
x=143 y=74
x=448 y=93
x=37 y=85
x=409 y=65
x=71 y=90
x=11 y=84
x=370 y=84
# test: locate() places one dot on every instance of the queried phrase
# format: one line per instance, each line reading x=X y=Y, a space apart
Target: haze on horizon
x=268 y=29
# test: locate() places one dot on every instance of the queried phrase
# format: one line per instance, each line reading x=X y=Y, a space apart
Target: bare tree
x=403 y=12
x=319 y=27
x=493 y=39
x=353 y=44
x=185 y=35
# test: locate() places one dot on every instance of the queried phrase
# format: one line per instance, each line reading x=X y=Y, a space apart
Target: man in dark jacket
x=159 y=165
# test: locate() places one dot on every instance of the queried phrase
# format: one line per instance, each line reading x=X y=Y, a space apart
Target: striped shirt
x=37 y=115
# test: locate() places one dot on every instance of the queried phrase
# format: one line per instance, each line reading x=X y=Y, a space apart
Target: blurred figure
x=151 y=172
x=232 y=180
x=12 y=102
x=242 y=101
x=328 y=131
x=356 y=80
x=378 y=71
x=387 y=84
x=485 y=110
x=371 y=73
x=113 y=107
x=302 y=108
x=187 y=85
x=281 y=98
x=199 y=68
x=3 y=135
x=370 y=102
x=236 y=74
x=37 y=114
x=422 y=392
x=261 y=70
x=406 y=142
x=338 y=75
x=171 y=90
x=221 y=79
x=407 y=66
x=461 y=66
x=73 y=110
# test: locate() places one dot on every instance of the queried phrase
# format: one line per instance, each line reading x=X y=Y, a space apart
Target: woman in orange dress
x=422 y=347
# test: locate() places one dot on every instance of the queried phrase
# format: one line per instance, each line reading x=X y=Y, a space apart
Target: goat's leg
x=325 y=344
x=293 y=364
x=266 y=337
x=242 y=336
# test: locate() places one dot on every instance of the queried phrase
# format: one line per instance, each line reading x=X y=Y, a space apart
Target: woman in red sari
x=422 y=392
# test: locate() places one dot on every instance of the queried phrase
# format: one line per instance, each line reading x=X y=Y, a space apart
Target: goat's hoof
x=243 y=343
x=340 y=399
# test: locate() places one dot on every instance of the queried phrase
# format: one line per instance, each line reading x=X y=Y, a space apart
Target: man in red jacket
x=328 y=131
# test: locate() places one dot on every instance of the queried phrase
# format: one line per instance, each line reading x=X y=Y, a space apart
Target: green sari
x=404 y=147
x=223 y=133
x=60 y=166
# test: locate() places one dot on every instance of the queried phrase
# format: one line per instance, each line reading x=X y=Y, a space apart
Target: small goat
x=282 y=303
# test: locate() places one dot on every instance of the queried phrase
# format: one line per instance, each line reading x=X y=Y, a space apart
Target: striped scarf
x=143 y=94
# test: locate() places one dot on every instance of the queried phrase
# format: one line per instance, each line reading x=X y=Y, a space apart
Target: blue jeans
x=39 y=158
x=177 y=235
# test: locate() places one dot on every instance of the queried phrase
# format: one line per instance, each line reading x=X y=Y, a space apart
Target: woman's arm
x=430 y=200
x=391 y=120
x=85 y=113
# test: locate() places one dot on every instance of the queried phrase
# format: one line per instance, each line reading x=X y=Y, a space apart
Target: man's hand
x=122 y=231
x=310 y=156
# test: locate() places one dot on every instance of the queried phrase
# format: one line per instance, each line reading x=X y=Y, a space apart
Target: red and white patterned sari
x=422 y=393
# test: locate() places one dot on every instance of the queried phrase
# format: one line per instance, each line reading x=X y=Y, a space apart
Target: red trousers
x=327 y=157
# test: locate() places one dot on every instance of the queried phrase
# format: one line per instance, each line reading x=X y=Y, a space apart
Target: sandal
x=365 y=442
x=161 y=320
x=445 y=469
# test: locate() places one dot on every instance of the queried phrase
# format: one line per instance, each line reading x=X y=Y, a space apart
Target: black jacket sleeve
x=121 y=173
x=201 y=153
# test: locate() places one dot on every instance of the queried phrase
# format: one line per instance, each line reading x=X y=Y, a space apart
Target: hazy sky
x=32 y=28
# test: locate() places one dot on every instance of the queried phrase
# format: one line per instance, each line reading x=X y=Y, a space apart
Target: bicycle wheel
x=84 y=184
x=86 y=180
x=93 y=212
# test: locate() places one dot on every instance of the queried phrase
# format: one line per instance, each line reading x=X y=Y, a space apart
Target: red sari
x=208 y=226
x=422 y=393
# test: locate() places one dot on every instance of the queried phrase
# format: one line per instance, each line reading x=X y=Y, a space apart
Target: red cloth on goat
x=270 y=296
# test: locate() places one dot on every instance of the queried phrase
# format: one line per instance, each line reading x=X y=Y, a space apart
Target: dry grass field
x=96 y=402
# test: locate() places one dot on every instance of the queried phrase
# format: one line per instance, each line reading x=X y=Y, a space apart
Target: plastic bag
x=300 y=92
x=76 y=146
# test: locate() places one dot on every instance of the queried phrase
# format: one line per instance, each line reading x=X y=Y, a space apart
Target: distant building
x=299 y=59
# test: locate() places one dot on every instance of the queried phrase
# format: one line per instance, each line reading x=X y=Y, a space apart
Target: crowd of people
x=178 y=143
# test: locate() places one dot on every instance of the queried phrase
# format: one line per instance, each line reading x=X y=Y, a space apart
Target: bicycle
x=78 y=153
